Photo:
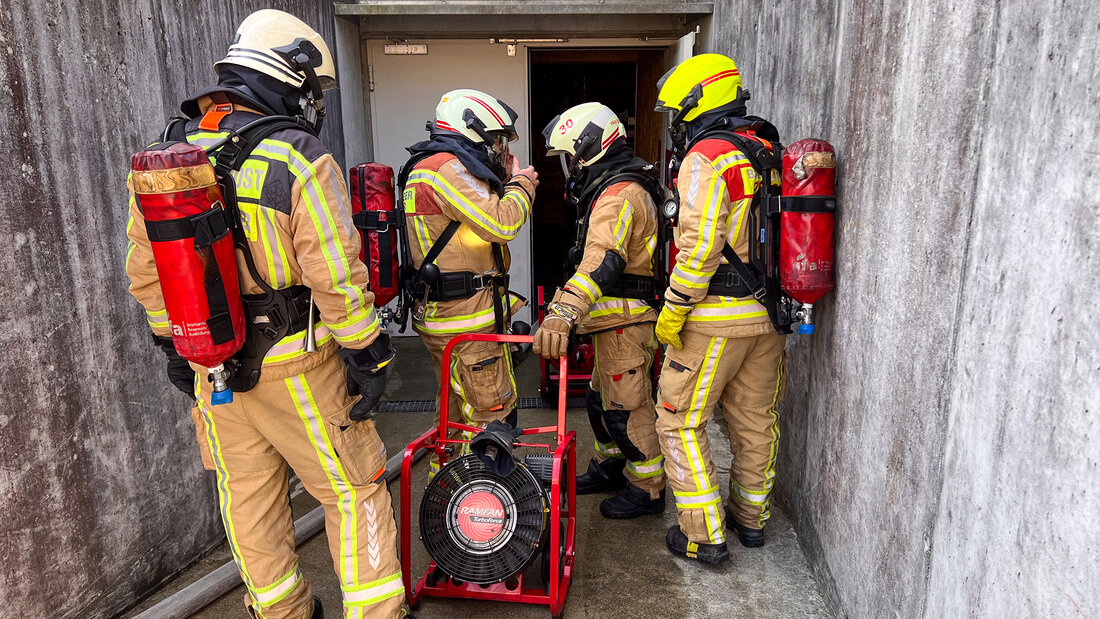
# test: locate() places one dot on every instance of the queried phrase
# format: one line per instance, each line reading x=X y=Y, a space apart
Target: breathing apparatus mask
x=304 y=57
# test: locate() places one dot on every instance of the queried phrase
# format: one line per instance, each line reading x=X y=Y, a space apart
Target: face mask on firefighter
x=304 y=57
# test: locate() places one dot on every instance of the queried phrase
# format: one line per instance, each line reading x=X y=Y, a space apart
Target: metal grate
x=428 y=406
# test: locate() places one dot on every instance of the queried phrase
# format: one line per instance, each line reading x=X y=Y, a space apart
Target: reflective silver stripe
x=374 y=592
x=693 y=186
x=708 y=226
x=356 y=329
x=296 y=343
x=729 y=159
x=698 y=500
x=459 y=201
x=271 y=235
x=276 y=592
x=655 y=465
x=682 y=273
x=728 y=310
x=330 y=462
x=608 y=450
x=755 y=498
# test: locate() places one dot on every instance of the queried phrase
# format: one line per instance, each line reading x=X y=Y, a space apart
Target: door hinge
x=370 y=77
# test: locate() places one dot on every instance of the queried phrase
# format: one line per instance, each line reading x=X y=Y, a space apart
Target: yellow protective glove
x=671 y=322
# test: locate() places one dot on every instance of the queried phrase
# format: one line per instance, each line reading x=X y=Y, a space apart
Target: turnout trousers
x=483 y=387
x=301 y=422
x=746 y=376
x=620 y=404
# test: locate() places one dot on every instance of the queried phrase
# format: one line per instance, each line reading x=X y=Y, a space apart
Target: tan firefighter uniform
x=731 y=354
x=440 y=190
x=295 y=211
x=623 y=220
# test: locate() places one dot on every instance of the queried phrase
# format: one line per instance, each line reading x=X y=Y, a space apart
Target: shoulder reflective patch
x=409 y=199
x=250 y=179
x=249 y=218
x=477 y=185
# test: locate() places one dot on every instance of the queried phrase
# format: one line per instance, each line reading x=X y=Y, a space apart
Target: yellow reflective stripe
x=423 y=235
x=753 y=497
x=327 y=231
x=276 y=592
x=651 y=246
x=689 y=434
x=520 y=196
x=731 y=161
x=726 y=310
x=618 y=305
x=738 y=211
x=647 y=468
x=608 y=450
x=276 y=256
x=691 y=278
x=701 y=499
x=773 y=410
x=456 y=324
x=225 y=497
x=708 y=225
x=626 y=215
x=586 y=285
x=294 y=345
x=459 y=201
x=356 y=327
x=348 y=561
x=374 y=592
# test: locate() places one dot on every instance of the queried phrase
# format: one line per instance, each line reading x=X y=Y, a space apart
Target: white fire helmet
x=270 y=42
x=582 y=135
x=480 y=117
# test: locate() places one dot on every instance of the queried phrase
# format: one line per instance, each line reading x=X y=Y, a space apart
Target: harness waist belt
x=457 y=285
x=727 y=283
x=641 y=287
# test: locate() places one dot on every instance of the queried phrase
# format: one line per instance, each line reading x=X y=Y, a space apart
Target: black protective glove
x=368 y=371
x=493 y=446
x=179 y=371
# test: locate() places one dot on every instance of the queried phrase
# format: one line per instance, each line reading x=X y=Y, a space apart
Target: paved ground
x=623 y=570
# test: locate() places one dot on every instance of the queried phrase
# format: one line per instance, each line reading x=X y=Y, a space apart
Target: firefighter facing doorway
x=622 y=79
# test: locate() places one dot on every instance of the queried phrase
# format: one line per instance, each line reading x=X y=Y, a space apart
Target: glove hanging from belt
x=368 y=372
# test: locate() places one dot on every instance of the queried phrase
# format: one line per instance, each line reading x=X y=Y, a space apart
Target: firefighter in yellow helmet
x=465 y=197
x=722 y=345
x=611 y=296
x=294 y=409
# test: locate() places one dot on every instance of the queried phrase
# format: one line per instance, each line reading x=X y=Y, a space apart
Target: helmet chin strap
x=303 y=56
x=475 y=124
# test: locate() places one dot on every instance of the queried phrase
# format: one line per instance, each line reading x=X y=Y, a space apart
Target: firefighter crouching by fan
x=722 y=345
x=465 y=197
x=293 y=408
x=611 y=296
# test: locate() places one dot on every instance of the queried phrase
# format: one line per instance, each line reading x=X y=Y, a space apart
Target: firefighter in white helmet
x=294 y=409
x=611 y=296
x=465 y=197
x=722 y=345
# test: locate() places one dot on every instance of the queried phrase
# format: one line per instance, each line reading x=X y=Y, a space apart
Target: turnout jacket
x=440 y=190
x=716 y=184
x=623 y=220
x=296 y=214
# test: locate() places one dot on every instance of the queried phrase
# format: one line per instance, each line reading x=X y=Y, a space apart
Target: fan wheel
x=480 y=527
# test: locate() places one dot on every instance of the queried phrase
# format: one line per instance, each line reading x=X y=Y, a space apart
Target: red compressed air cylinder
x=807 y=220
x=180 y=200
x=372 y=207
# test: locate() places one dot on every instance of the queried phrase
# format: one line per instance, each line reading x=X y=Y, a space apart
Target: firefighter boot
x=749 y=538
x=606 y=476
x=631 y=503
x=711 y=554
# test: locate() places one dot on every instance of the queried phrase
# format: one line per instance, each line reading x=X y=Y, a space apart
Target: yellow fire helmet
x=284 y=47
x=583 y=134
x=481 y=118
x=699 y=85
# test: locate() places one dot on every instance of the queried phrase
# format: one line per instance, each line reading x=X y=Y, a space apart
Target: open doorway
x=624 y=80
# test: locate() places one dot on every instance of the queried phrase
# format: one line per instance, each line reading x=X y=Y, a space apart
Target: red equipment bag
x=372 y=207
x=806 y=224
x=181 y=202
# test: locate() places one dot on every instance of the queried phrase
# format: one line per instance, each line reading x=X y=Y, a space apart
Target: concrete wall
x=101 y=487
x=940 y=436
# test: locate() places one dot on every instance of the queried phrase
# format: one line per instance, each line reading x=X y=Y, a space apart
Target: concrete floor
x=622 y=569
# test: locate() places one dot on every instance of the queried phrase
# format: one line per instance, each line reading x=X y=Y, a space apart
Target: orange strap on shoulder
x=213 y=118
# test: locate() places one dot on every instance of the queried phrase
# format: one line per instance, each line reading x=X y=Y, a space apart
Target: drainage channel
x=427 y=406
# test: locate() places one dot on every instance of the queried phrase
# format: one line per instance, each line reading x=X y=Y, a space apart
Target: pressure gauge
x=670 y=209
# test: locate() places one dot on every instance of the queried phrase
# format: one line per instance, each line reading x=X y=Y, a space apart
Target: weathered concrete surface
x=939 y=453
x=101 y=488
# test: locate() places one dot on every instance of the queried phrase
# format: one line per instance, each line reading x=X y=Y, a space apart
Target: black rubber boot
x=318 y=611
x=711 y=554
x=749 y=538
x=603 y=477
x=632 y=502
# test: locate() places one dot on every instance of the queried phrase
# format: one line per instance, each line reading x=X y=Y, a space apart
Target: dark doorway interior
x=560 y=79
